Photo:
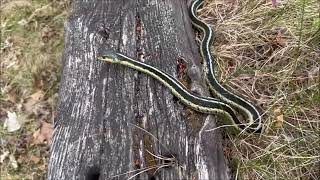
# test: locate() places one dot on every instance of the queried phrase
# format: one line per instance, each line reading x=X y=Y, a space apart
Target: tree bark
x=112 y=118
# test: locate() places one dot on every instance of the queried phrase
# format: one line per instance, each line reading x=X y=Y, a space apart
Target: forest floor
x=266 y=50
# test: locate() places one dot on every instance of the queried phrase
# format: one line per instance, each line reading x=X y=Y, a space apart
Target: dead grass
x=268 y=54
x=31 y=49
x=271 y=55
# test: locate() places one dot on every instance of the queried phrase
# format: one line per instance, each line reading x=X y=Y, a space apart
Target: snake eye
x=104 y=57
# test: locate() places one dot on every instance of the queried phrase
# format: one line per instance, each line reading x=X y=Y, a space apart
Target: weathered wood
x=102 y=105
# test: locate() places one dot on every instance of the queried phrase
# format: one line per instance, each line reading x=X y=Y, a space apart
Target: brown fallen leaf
x=37 y=96
x=277 y=111
x=44 y=134
x=11 y=98
x=22 y=159
x=278 y=123
x=35 y=159
x=32 y=100
x=12 y=123
x=13 y=161
x=4 y=156
x=43 y=167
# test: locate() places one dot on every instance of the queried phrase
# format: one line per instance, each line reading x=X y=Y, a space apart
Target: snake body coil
x=237 y=102
x=228 y=104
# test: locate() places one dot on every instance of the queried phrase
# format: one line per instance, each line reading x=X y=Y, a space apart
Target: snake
x=226 y=103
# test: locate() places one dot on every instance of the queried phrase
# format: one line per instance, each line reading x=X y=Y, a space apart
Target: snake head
x=109 y=56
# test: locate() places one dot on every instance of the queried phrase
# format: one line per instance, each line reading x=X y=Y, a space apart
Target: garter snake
x=228 y=103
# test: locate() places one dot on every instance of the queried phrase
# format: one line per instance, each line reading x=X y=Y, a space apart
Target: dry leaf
x=13 y=161
x=22 y=159
x=35 y=159
x=32 y=100
x=11 y=123
x=280 y=40
x=37 y=96
x=42 y=167
x=277 y=111
x=11 y=98
x=278 y=123
x=37 y=137
x=44 y=134
x=3 y=156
